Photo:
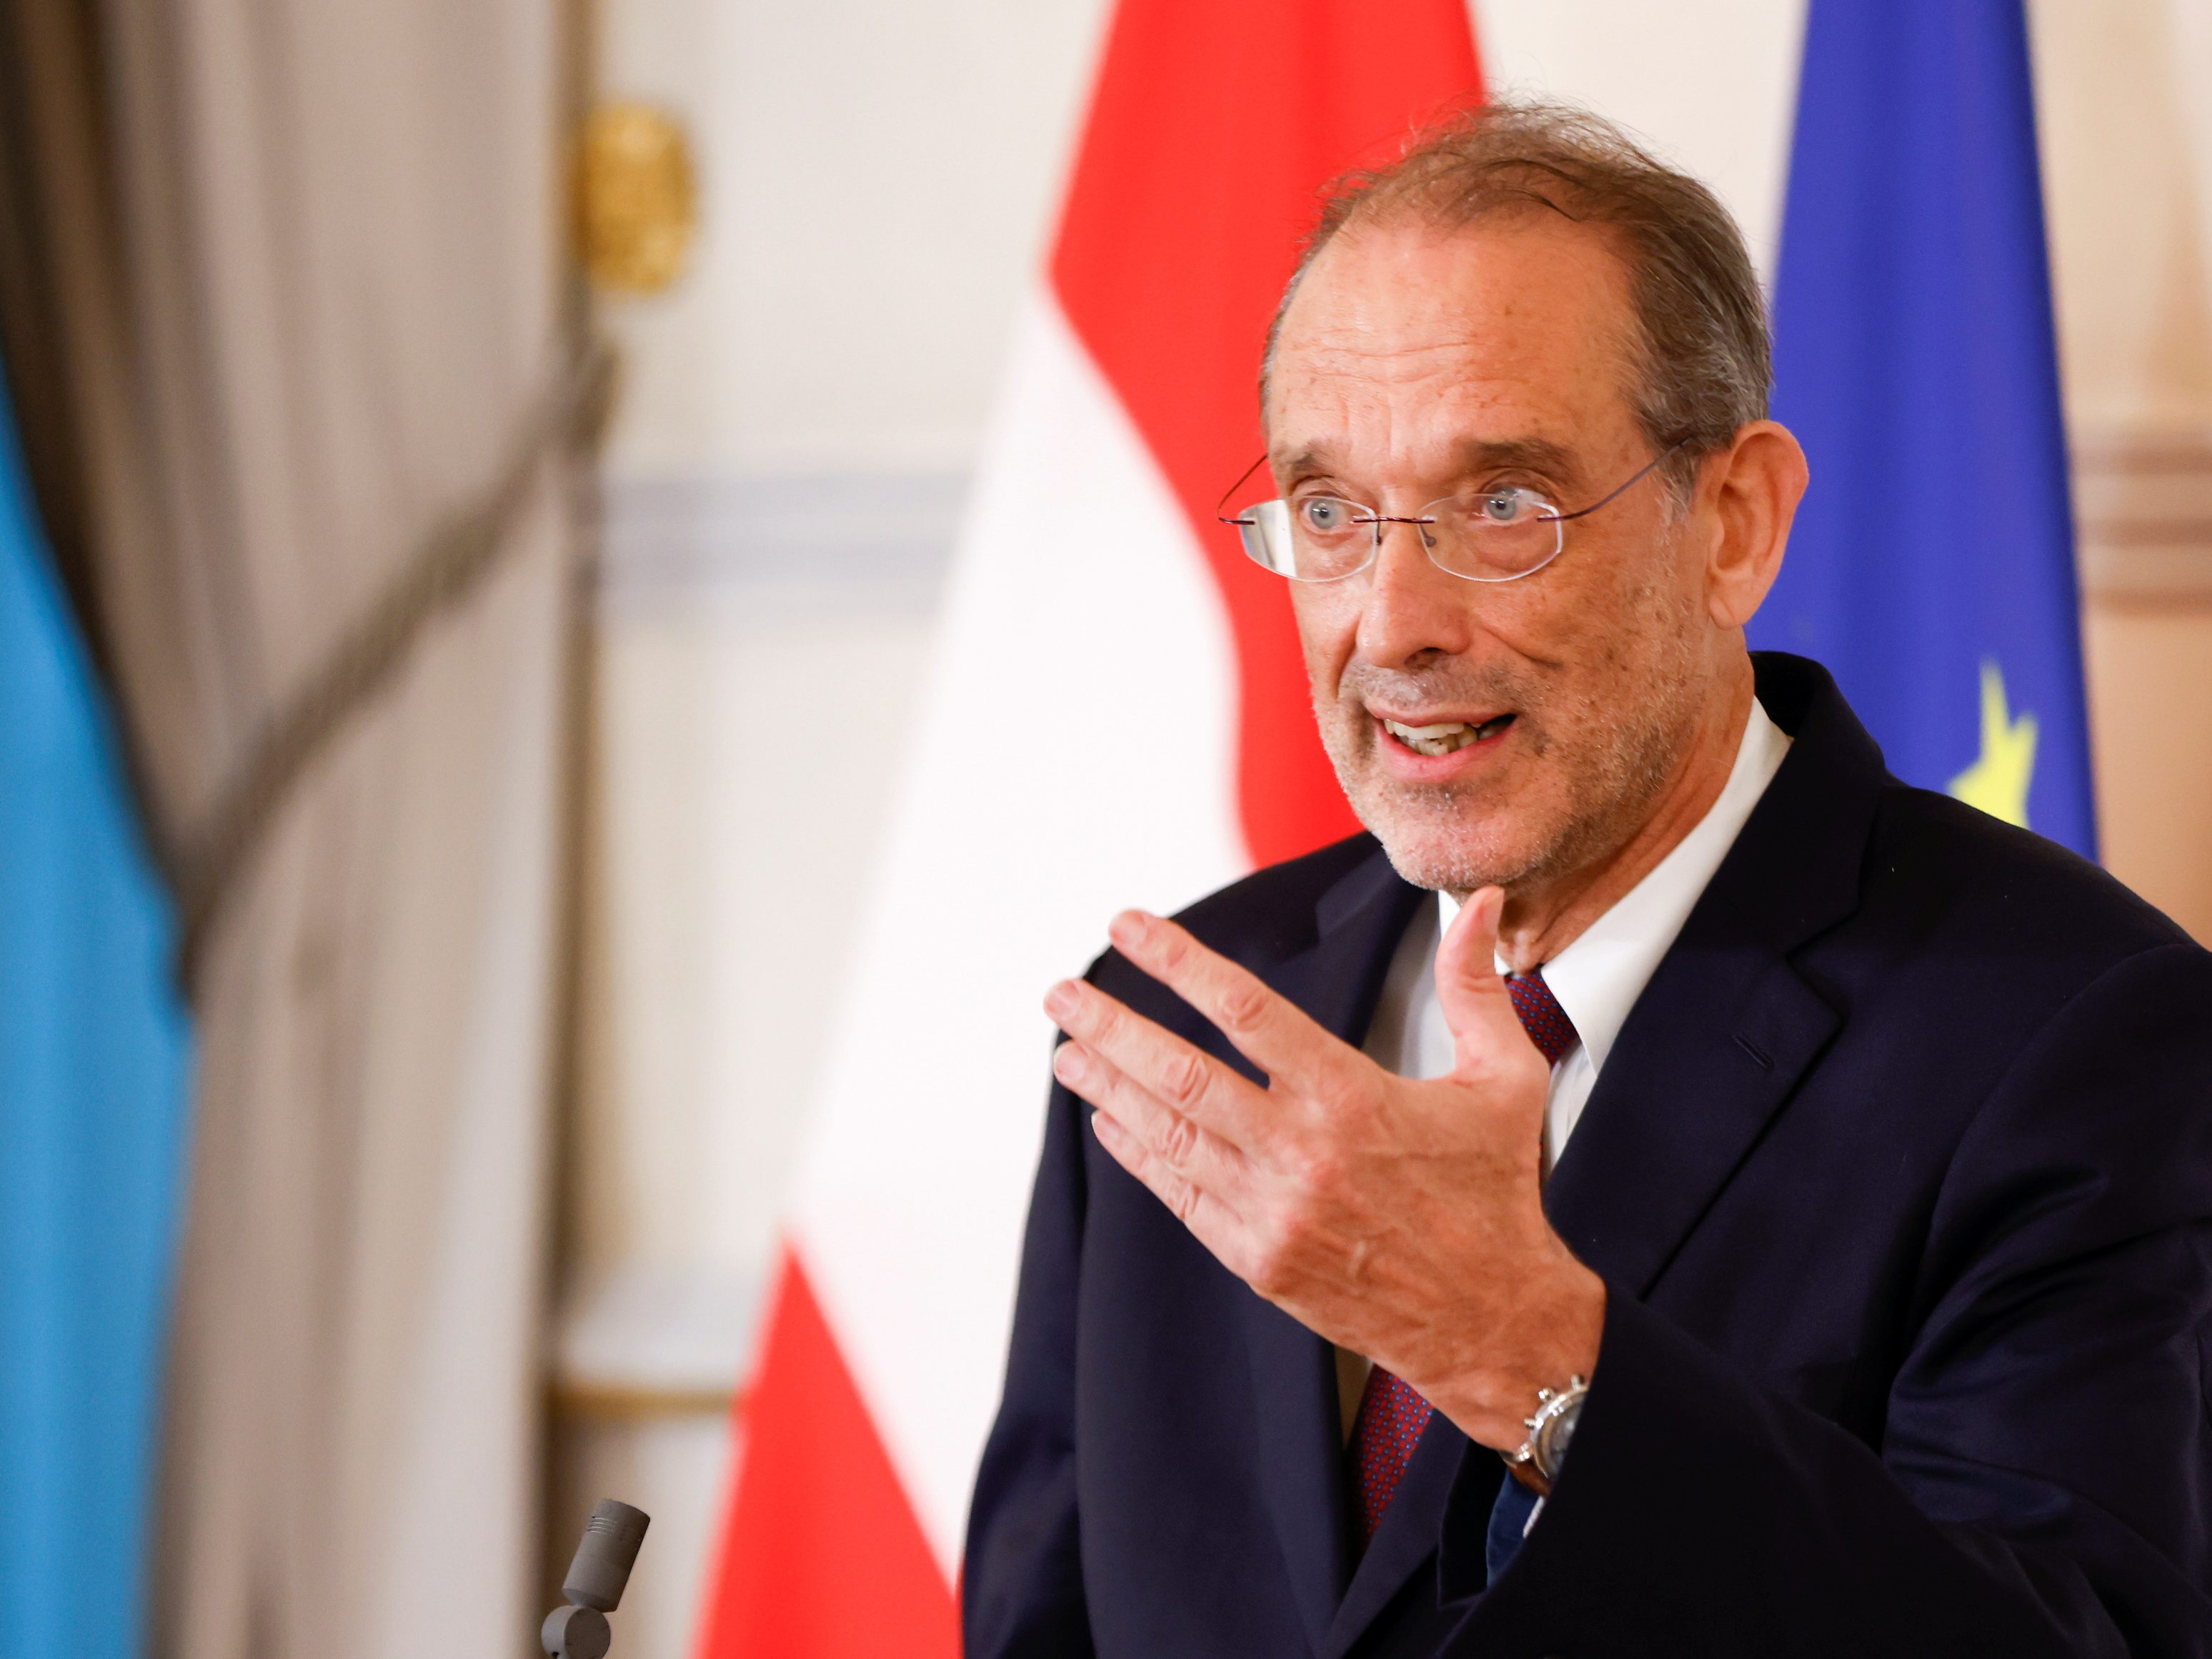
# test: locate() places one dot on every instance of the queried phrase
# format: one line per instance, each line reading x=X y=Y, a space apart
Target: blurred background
x=497 y=468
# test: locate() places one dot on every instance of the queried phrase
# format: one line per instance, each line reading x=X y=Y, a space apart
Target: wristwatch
x=1535 y=1465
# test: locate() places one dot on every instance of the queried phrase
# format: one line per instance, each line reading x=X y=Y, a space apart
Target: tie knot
x=1541 y=1016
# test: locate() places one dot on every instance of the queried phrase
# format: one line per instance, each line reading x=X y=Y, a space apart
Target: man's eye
x=1506 y=505
x=1325 y=515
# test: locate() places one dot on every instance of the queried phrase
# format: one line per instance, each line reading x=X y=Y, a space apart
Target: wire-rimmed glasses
x=1482 y=535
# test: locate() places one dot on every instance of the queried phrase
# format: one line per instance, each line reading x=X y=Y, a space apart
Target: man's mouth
x=1445 y=736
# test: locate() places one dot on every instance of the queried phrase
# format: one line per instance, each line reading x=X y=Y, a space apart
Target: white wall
x=1716 y=98
x=878 y=178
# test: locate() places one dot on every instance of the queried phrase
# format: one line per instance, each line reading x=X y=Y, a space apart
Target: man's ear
x=1754 y=487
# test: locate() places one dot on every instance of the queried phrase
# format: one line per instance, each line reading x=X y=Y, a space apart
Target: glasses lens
x=1493 y=535
x=1265 y=529
x=1316 y=538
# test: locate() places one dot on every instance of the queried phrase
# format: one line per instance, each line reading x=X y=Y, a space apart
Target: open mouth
x=1444 y=737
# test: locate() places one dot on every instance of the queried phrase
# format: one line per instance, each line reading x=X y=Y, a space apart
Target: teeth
x=1445 y=736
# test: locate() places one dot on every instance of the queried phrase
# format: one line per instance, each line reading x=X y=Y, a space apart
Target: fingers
x=1184 y=1167
x=1467 y=955
x=1166 y=1138
x=1181 y=1076
x=1475 y=1003
x=1267 y=1028
x=1206 y=1216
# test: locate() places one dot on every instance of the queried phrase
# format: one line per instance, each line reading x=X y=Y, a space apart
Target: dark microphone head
x=603 y=1559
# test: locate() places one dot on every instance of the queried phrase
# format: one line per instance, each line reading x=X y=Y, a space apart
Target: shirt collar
x=1598 y=977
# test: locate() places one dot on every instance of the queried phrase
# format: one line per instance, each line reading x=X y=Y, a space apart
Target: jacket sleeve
x=2042 y=1485
x=1022 y=1581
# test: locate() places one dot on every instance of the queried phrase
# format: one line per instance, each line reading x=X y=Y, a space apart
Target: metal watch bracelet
x=1536 y=1463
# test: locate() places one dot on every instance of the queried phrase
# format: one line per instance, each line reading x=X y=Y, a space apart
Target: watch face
x=1552 y=1439
x=1563 y=1432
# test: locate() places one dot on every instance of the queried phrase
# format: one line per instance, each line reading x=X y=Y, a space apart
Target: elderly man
x=1670 y=1188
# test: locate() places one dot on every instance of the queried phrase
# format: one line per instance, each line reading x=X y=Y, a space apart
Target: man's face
x=1414 y=365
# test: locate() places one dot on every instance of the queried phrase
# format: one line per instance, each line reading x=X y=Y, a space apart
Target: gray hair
x=1704 y=360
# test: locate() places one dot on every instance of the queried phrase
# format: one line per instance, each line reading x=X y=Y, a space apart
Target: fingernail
x=1060 y=1002
x=1070 y=1063
x=1129 y=927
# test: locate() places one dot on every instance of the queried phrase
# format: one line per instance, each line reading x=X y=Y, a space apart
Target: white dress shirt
x=1597 y=979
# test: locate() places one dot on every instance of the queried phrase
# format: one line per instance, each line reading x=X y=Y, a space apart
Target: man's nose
x=1413 y=607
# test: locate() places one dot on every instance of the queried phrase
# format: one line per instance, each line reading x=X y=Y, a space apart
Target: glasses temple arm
x=1633 y=479
x=1233 y=488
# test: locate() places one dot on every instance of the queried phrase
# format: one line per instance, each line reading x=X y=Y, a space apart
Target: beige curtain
x=281 y=286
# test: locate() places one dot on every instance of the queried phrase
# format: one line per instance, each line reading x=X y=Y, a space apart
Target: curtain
x=280 y=286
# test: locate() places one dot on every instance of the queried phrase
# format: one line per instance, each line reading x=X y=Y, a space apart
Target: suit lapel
x=1727 y=1026
x=1717 y=1043
x=1407 y=1534
x=1294 y=1422
x=1337 y=981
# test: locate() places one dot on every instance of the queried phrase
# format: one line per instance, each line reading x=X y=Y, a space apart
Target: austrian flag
x=1119 y=716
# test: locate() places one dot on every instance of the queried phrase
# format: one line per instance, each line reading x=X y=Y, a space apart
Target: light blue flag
x=1932 y=565
x=93 y=1059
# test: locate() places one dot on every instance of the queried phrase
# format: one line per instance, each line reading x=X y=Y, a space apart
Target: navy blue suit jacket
x=1899 y=1176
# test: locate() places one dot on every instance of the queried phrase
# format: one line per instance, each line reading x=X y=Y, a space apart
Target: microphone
x=595 y=1581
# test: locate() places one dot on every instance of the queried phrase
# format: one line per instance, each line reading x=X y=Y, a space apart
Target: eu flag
x=1932 y=564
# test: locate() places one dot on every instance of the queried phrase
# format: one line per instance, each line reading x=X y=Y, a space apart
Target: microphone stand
x=594 y=1587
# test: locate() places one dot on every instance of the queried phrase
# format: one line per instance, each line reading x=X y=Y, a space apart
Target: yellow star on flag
x=1997 y=782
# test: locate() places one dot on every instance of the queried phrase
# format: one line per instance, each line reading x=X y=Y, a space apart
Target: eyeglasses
x=1484 y=536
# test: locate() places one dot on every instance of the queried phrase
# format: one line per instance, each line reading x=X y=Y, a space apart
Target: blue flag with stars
x=1932 y=564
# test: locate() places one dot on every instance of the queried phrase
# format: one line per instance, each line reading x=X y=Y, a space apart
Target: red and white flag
x=1119 y=716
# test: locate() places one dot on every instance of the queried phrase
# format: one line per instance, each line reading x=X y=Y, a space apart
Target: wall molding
x=773 y=542
x=650 y=1340
x=2142 y=509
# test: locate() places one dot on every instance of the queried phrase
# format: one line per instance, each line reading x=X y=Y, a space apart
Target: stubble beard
x=1609 y=750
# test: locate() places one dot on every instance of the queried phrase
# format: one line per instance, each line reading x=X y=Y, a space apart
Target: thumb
x=1472 y=996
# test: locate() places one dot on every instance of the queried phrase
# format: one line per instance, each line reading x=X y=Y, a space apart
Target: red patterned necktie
x=1541 y=1016
x=1391 y=1415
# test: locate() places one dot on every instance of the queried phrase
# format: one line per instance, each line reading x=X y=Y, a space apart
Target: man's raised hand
x=1400 y=1218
